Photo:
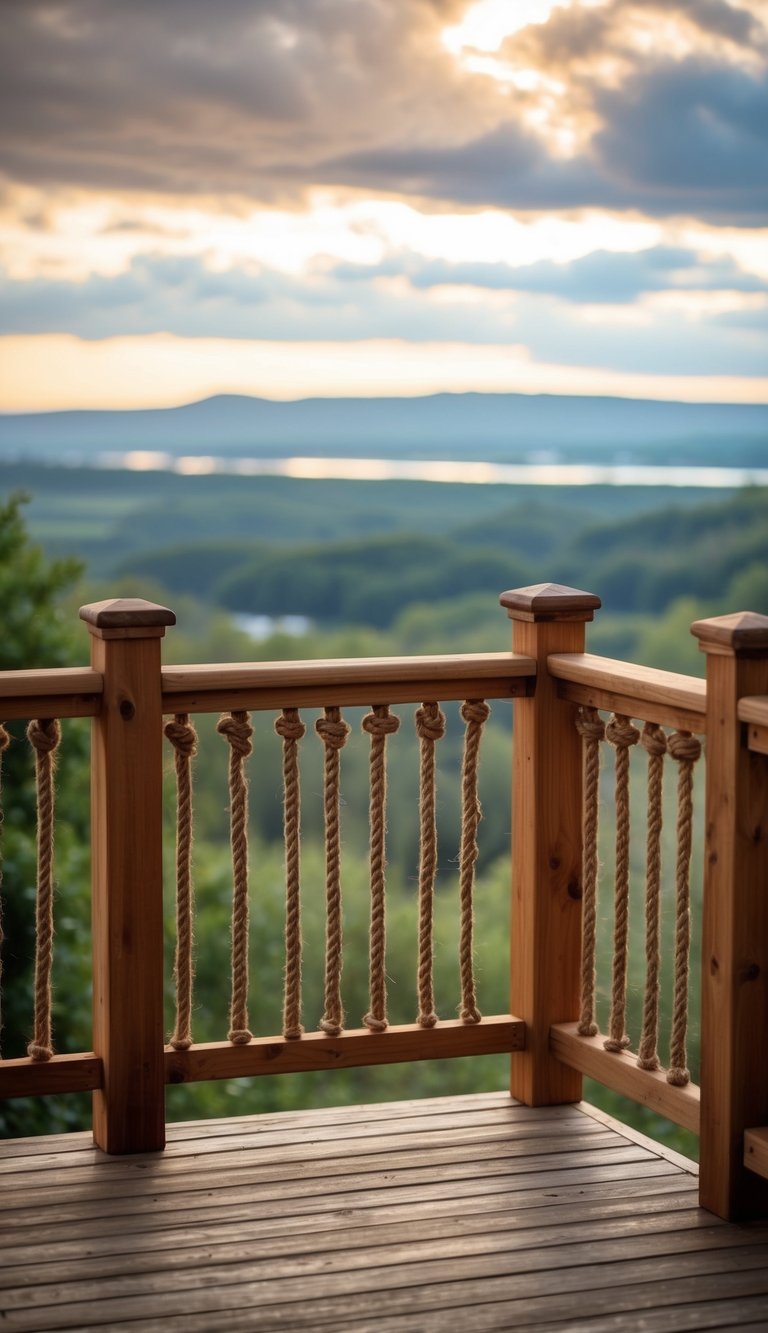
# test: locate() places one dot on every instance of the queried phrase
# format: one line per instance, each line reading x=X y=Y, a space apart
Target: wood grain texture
x=315 y=1051
x=624 y=687
x=756 y=1151
x=62 y=1073
x=754 y=712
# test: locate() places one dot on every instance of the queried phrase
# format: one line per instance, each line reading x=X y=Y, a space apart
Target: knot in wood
x=682 y=746
x=5 y=739
x=430 y=722
x=475 y=710
x=44 y=735
x=590 y=725
x=332 y=730
x=653 y=739
x=182 y=735
x=381 y=722
x=238 y=731
x=289 y=725
x=620 y=731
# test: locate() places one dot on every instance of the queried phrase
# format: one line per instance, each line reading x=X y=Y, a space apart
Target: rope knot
x=289 y=725
x=653 y=739
x=238 y=731
x=5 y=739
x=332 y=729
x=590 y=725
x=44 y=734
x=430 y=722
x=620 y=731
x=381 y=722
x=475 y=710
x=240 y=1036
x=182 y=735
x=683 y=746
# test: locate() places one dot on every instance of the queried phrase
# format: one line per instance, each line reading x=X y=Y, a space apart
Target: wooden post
x=546 y=841
x=734 y=955
x=126 y=848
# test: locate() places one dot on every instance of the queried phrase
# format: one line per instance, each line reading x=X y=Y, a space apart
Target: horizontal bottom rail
x=619 y=1071
x=756 y=1151
x=62 y=1073
x=497 y=1035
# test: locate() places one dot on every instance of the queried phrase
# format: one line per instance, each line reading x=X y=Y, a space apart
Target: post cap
x=549 y=601
x=126 y=613
x=741 y=632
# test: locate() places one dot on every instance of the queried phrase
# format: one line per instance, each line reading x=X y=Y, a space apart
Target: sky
x=361 y=197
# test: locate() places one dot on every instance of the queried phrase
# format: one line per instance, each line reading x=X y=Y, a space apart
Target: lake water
x=533 y=473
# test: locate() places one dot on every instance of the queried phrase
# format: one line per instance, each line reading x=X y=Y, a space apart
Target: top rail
x=51 y=692
x=664 y=697
x=754 y=711
x=263 y=685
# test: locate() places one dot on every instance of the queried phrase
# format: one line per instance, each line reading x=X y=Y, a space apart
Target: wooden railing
x=564 y=699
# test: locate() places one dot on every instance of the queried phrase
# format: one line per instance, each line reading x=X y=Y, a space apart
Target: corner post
x=734 y=954
x=126 y=849
x=546 y=841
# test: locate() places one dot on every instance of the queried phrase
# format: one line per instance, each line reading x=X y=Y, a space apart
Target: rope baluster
x=333 y=732
x=475 y=713
x=654 y=742
x=183 y=737
x=621 y=734
x=291 y=729
x=379 y=724
x=44 y=735
x=5 y=741
x=237 y=730
x=591 y=728
x=430 y=728
x=685 y=749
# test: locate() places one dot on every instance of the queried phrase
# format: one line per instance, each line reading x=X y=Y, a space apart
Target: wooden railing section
x=566 y=700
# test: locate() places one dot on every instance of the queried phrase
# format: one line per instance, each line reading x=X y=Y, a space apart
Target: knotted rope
x=291 y=729
x=5 y=741
x=44 y=735
x=430 y=728
x=621 y=734
x=654 y=742
x=379 y=724
x=333 y=732
x=685 y=750
x=183 y=737
x=475 y=712
x=237 y=730
x=591 y=728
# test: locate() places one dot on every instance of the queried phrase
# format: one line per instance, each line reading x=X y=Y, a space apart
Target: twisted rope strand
x=183 y=737
x=237 y=730
x=290 y=727
x=430 y=728
x=475 y=713
x=333 y=732
x=44 y=735
x=654 y=742
x=685 y=750
x=5 y=741
x=591 y=728
x=379 y=724
x=622 y=735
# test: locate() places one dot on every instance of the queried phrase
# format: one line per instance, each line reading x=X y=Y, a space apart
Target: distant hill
x=495 y=427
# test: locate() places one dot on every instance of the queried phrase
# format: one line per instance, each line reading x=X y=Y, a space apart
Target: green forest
x=377 y=568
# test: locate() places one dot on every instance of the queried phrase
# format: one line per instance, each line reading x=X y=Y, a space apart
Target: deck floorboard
x=473 y=1213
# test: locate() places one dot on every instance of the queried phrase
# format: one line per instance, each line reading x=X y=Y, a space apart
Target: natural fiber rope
x=685 y=749
x=5 y=741
x=379 y=724
x=654 y=742
x=475 y=713
x=183 y=737
x=621 y=734
x=238 y=731
x=291 y=729
x=430 y=728
x=44 y=736
x=333 y=732
x=591 y=728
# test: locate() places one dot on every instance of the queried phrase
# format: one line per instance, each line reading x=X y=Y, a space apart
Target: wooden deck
x=451 y=1214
